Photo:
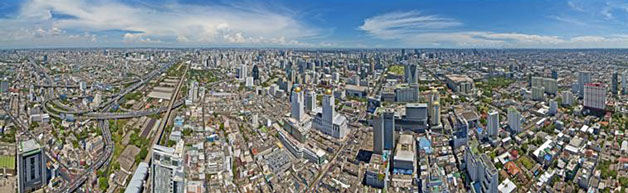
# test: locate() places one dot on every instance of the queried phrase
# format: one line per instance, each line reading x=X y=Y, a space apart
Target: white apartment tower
x=493 y=124
x=595 y=96
x=567 y=97
x=514 y=119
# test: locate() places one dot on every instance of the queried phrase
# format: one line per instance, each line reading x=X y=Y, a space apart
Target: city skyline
x=319 y=24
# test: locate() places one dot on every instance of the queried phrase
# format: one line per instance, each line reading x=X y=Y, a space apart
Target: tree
x=187 y=132
x=141 y=156
x=102 y=183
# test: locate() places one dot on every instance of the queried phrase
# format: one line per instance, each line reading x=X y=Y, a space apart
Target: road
x=166 y=118
x=105 y=160
x=164 y=123
x=75 y=183
x=323 y=172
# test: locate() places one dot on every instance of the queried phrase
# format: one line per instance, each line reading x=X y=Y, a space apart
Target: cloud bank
x=51 y=21
x=413 y=29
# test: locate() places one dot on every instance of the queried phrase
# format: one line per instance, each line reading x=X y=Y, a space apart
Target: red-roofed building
x=512 y=168
x=514 y=154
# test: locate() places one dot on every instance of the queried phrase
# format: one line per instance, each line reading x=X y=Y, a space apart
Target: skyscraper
x=567 y=97
x=461 y=131
x=411 y=74
x=255 y=72
x=624 y=83
x=193 y=91
x=538 y=93
x=514 y=119
x=553 y=107
x=31 y=166
x=4 y=85
x=554 y=74
x=329 y=109
x=481 y=171
x=242 y=73
x=297 y=106
x=310 y=101
x=584 y=77
x=434 y=108
x=595 y=96
x=167 y=174
x=384 y=131
x=493 y=124
x=615 y=82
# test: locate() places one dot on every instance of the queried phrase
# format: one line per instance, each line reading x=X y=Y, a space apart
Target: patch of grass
x=526 y=162
x=7 y=162
x=396 y=69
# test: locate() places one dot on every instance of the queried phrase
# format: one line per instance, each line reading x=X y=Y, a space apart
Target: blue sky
x=320 y=23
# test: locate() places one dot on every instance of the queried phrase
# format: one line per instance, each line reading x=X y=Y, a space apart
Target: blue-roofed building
x=178 y=121
x=425 y=145
x=70 y=118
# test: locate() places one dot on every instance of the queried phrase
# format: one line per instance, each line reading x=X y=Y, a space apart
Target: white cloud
x=397 y=24
x=513 y=40
x=168 y=23
x=411 y=29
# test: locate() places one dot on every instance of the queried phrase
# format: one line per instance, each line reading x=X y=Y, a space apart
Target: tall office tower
x=553 y=107
x=193 y=91
x=461 y=131
x=310 y=101
x=584 y=77
x=167 y=174
x=329 y=110
x=514 y=119
x=242 y=73
x=595 y=96
x=97 y=99
x=538 y=93
x=82 y=85
x=554 y=74
x=615 y=82
x=536 y=81
x=4 y=85
x=250 y=82
x=435 y=116
x=384 y=131
x=411 y=74
x=624 y=83
x=567 y=97
x=493 y=124
x=550 y=85
x=296 y=102
x=31 y=166
x=372 y=67
x=434 y=108
x=255 y=72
